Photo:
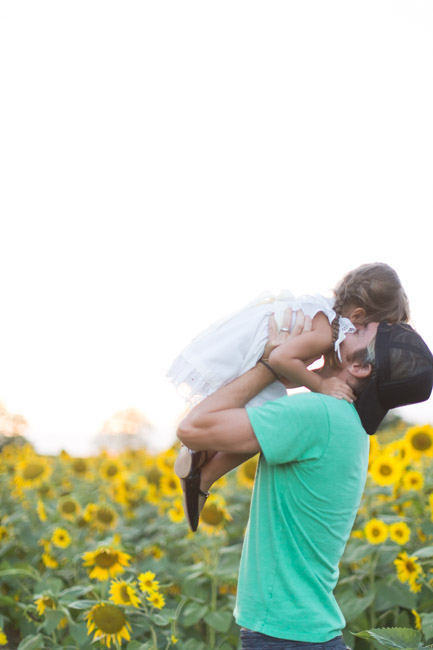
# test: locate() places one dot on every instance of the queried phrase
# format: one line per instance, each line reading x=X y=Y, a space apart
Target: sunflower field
x=95 y=552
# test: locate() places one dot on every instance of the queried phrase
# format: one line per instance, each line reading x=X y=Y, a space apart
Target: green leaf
x=356 y=552
x=79 y=632
x=220 y=621
x=426 y=551
x=194 y=644
x=389 y=595
x=402 y=638
x=29 y=572
x=82 y=604
x=162 y=618
x=52 y=619
x=32 y=642
x=71 y=594
x=427 y=625
x=136 y=645
x=192 y=613
x=352 y=606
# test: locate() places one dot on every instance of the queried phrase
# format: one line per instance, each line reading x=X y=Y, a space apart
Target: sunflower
x=43 y=603
x=153 y=495
x=4 y=533
x=386 y=470
x=49 y=560
x=401 y=450
x=103 y=517
x=69 y=508
x=165 y=461
x=155 y=551
x=376 y=531
x=413 y=480
x=40 y=509
x=156 y=599
x=408 y=569
x=61 y=538
x=111 y=470
x=357 y=534
x=415 y=587
x=109 y=624
x=3 y=637
x=107 y=562
x=375 y=449
x=420 y=441
x=80 y=467
x=214 y=515
x=153 y=475
x=147 y=582
x=169 y=485
x=247 y=471
x=176 y=513
x=32 y=472
x=417 y=619
x=123 y=593
x=399 y=532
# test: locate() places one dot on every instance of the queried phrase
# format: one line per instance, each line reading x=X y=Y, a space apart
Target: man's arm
x=219 y=422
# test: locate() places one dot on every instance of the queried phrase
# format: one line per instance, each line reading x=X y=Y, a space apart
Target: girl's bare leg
x=218 y=465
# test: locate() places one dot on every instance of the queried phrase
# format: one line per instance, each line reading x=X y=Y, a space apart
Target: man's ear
x=359 y=371
x=358 y=316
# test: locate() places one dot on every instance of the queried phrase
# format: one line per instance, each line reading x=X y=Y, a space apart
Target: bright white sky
x=163 y=162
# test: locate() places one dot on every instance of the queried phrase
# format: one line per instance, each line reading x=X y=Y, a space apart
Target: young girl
x=230 y=347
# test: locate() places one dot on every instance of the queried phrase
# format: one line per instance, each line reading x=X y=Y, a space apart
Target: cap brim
x=370 y=410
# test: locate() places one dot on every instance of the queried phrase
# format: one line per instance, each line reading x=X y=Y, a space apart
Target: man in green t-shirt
x=309 y=481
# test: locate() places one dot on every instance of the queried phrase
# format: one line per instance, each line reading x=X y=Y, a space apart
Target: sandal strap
x=203 y=493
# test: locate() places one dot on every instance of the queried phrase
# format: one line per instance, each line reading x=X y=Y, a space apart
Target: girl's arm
x=292 y=357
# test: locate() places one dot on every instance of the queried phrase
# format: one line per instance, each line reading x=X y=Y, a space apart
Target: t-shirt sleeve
x=292 y=428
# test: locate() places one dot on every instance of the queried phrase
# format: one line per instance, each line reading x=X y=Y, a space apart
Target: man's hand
x=276 y=337
x=337 y=388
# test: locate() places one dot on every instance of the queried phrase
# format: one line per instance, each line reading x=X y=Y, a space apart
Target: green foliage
x=196 y=573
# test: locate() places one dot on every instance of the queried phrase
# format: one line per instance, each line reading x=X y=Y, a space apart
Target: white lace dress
x=234 y=344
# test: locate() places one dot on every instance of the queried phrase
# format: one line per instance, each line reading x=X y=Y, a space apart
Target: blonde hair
x=377 y=289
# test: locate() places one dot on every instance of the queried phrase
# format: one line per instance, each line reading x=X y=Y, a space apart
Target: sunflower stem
x=213 y=606
x=374 y=562
x=154 y=638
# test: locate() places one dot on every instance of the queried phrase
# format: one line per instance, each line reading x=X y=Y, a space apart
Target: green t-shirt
x=307 y=491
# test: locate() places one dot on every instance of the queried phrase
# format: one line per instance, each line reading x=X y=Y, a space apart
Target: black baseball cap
x=403 y=374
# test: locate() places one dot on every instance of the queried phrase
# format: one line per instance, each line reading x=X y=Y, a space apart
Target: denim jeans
x=256 y=641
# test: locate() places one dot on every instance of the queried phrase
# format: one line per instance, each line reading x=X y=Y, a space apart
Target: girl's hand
x=337 y=388
x=276 y=337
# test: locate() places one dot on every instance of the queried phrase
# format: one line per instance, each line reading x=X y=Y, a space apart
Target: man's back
x=308 y=488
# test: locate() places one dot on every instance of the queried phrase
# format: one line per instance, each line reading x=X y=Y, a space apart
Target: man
x=310 y=477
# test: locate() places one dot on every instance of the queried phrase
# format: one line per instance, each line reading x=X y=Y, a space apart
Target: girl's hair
x=377 y=289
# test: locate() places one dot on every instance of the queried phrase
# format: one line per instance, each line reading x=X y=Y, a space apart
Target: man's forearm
x=237 y=393
x=220 y=422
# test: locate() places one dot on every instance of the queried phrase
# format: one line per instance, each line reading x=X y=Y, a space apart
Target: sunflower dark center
x=109 y=619
x=421 y=441
x=124 y=594
x=105 y=516
x=32 y=471
x=212 y=515
x=69 y=507
x=105 y=559
x=79 y=466
x=385 y=470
